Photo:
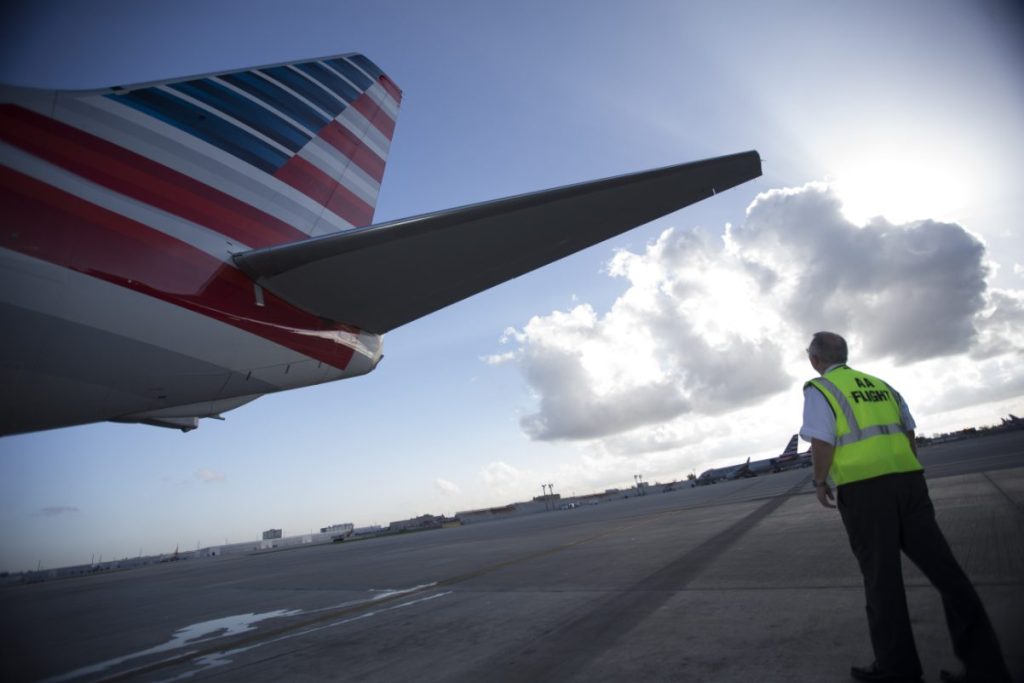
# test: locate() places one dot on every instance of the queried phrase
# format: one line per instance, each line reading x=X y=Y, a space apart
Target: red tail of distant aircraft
x=173 y=250
x=791 y=457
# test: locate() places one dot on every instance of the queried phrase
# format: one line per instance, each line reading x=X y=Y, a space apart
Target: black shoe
x=962 y=677
x=873 y=673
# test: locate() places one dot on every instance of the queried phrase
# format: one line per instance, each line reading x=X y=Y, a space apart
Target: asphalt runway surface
x=748 y=580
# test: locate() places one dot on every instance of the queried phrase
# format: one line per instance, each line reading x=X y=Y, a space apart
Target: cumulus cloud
x=709 y=322
x=500 y=477
x=57 y=510
x=447 y=488
x=911 y=291
x=1000 y=325
x=208 y=475
x=499 y=358
x=670 y=346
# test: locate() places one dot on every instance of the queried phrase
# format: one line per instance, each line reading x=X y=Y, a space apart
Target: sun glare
x=900 y=187
x=731 y=303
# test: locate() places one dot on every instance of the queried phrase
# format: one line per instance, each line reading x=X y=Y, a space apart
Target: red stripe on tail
x=49 y=224
x=390 y=86
x=140 y=178
x=366 y=106
x=318 y=186
x=343 y=140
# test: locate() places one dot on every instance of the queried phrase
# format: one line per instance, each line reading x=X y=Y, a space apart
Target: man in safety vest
x=862 y=435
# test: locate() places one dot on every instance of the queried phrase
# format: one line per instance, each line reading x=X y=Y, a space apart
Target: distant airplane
x=171 y=251
x=789 y=459
x=715 y=475
x=712 y=476
x=745 y=470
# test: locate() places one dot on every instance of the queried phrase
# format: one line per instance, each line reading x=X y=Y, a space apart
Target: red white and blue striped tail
x=261 y=157
x=791 y=448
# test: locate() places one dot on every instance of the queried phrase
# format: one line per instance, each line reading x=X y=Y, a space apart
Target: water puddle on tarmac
x=214 y=629
x=226 y=657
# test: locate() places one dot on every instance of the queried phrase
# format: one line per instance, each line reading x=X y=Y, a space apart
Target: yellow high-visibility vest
x=871 y=440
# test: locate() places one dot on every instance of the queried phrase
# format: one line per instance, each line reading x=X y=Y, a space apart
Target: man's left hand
x=824 y=492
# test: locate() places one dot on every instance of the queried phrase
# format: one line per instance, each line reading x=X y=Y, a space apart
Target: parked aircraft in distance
x=173 y=250
x=747 y=470
x=789 y=459
x=715 y=475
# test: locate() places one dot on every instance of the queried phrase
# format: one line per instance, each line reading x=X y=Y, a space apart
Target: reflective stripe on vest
x=856 y=433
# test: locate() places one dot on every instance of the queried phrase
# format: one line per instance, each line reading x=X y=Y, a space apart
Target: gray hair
x=829 y=347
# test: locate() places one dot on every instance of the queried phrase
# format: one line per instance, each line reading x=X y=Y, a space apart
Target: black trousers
x=894 y=513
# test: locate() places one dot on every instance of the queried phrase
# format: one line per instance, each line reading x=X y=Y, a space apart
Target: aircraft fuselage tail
x=123 y=209
x=173 y=250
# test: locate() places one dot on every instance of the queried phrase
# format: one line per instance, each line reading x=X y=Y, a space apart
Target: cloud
x=446 y=487
x=910 y=291
x=207 y=475
x=670 y=346
x=709 y=323
x=500 y=477
x=499 y=358
x=56 y=511
x=1000 y=325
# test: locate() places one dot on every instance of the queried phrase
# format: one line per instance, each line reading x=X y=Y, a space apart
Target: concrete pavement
x=742 y=581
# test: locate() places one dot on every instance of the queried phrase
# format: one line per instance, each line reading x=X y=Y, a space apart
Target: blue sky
x=911 y=111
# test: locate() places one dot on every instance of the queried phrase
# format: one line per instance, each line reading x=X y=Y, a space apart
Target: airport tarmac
x=748 y=580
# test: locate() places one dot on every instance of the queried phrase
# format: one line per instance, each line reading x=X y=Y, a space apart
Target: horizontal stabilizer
x=383 y=276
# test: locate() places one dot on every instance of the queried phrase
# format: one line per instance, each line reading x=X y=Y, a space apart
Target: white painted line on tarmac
x=380 y=594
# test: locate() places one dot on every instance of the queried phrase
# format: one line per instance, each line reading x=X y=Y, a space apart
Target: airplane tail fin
x=792 y=446
x=262 y=156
